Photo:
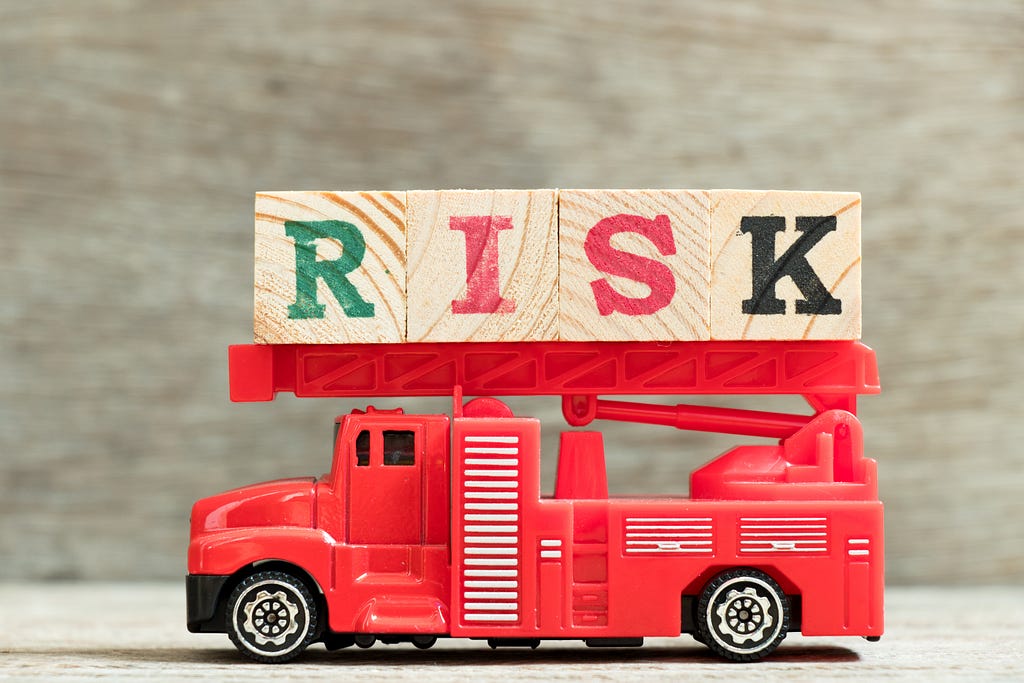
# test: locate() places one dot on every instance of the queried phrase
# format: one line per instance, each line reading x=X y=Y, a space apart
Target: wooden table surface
x=136 y=631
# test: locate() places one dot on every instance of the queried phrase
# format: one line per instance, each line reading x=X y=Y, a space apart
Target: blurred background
x=134 y=134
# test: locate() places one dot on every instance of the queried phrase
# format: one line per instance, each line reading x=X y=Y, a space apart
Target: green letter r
x=308 y=269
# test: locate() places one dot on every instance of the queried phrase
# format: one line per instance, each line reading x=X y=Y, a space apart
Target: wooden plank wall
x=133 y=135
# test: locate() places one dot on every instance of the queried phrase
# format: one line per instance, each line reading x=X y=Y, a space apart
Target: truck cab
x=375 y=525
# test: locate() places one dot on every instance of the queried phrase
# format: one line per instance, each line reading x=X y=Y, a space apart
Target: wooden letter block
x=785 y=265
x=483 y=265
x=634 y=265
x=330 y=267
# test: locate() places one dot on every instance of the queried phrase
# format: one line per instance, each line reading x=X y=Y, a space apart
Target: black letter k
x=766 y=270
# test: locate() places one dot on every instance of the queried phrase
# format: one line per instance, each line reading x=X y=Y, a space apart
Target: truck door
x=385 y=487
x=391 y=567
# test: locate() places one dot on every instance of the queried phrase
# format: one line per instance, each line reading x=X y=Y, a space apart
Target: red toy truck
x=431 y=526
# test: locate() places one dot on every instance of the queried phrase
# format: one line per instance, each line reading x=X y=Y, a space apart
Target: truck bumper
x=204 y=603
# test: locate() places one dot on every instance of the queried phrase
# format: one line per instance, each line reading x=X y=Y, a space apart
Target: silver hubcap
x=744 y=616
x=270 y=618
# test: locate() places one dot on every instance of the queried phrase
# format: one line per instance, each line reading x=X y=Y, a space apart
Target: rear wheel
x=272 y=617
x=742 y=615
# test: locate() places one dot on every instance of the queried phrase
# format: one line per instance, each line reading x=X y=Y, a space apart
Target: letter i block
x=785 y=265
x=634 y=265
x=330 y=267
x=483 y=265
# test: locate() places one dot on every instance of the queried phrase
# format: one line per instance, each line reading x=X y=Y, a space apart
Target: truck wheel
x=742 y=615
x=271 y=617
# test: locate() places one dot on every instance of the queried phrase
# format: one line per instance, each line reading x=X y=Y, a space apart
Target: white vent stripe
x=668 y=519
x=490 y=540
x=492 y=584
x=858 y=541
x=502 y=474
x=783 y=526
x=858 y=552
x=492 y=495
x=668 y=550
x=493 y=484
x=478 y=616
x=785 y=541
x=553 y=554
x=496 y=573
x=491 y=561
x=491 y=450
x=783 y=550
x=550 y=543
x=495 y=439
x=497 y=606
x=701 y=534
x=751 y=534
x=491 y=551
x=671 y=527
x=490 y=506
x=492 y=462
x=491 y=528
x=668 y=544
x=491 y=595
x=744 y=520
x=490 y=518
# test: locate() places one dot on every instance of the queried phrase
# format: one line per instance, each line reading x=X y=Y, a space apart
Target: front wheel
x=742 y=615
x=271 y=617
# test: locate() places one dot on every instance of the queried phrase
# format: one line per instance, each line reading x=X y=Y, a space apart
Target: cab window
x=399 y=448
x=363 y=449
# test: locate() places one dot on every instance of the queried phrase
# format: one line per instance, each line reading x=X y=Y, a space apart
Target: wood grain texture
x=139 y=128
x=359 y=297
x=834 y=257
x=141 y=635
x=525 y=253
x=663 y=295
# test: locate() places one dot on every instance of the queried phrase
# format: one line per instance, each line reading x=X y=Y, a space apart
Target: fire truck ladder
x=828 y=374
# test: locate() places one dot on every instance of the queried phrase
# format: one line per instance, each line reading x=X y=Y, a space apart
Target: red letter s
x=608 y=259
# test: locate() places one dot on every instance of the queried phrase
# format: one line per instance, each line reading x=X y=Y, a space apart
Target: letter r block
x=483 y=265
x=634 y=265
x=330 y=267
x=786 y=265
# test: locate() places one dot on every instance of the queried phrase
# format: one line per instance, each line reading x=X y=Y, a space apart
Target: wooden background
x=134 y=134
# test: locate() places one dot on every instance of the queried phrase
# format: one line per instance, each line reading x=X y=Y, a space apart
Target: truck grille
x=669 y=535
x=783 y=535
x=491 y=529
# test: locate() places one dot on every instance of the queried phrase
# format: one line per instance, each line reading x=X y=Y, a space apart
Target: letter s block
x=634 y=265
x=483 y=265
x=786 y=265
x=330 y=267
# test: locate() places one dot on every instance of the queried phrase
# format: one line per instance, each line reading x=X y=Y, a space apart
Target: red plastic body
x=436 y=524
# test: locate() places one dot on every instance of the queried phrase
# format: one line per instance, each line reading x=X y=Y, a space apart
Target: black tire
x=742 y=615
x=424 y=642
x=272 y=617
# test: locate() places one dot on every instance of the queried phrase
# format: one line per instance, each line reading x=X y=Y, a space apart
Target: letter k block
x=785 y=265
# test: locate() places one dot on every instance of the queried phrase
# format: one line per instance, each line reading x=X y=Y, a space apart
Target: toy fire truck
x=433 y=526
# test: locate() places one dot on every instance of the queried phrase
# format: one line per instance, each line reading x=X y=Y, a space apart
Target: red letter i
x=482 y=295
